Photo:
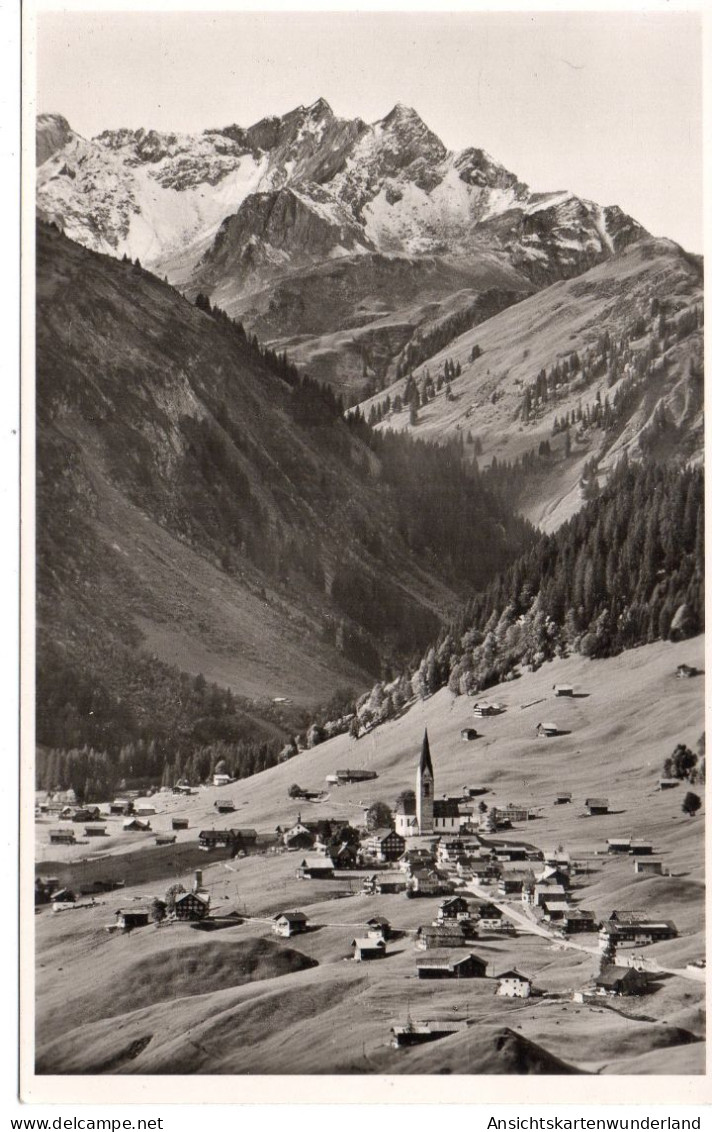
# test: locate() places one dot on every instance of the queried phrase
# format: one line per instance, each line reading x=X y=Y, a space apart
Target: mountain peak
x=52 y=134
x=320 y=109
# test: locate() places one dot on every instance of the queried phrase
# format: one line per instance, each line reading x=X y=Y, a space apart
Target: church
x=421 y=813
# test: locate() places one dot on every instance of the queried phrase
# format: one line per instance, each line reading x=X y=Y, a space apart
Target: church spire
x=425 y=760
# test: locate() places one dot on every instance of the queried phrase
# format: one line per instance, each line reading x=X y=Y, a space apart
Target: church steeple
x=425 y=789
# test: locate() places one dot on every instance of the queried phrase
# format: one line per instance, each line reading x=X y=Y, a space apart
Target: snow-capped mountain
x=323 y=234
x=309 y=185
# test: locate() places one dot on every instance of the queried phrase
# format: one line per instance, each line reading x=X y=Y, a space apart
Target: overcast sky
x=607 y=105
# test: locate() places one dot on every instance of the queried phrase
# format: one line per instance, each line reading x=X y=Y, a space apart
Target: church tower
x=425 y=789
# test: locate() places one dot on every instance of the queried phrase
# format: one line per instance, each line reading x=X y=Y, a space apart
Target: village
x=551 y=891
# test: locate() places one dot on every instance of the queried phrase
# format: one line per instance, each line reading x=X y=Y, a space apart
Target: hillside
x=245 y=215
x=202 y=510
x=629 y=713
x=606 y=364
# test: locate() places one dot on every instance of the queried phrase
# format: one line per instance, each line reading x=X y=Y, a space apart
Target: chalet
x=485 y=872
x=557 y=858
x=179 y=823
x=635 y=927
x=390 y=885
x=619 y=844
x=224 y=806
x=302 y=839
x=467 y=734
x=668 y=783
x=613 y=981
x=507 y=851
x=546 y=730
x=129 y=918
x=649 y=867
x=544 y=891
x=428 y=882
x=165 y=839
x=385 y=845
x=216 y=839
x=345 y=776
x=289 y=923
x=192 y=906
x=95 y=831
x=62 y=837
x=685 y=671
x=88 y=813
x=121 y=807
x=596 y=805
x=578 y=920
x=484 y=708
x=441 y=936
x=221 y=780
x=563 y=689
x=135 y=825
x=316 y=868
x=367 y=948
x=563 y=797
x=495 y=924
x=416 y=859
x=512 y=984
x=439 y=964
x=555 y=909
x=511 y=884
x=378 y=927
x=641 y=848
x=454 y=908
x=512 y=812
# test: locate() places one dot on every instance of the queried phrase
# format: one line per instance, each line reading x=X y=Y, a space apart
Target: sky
x=607 y=105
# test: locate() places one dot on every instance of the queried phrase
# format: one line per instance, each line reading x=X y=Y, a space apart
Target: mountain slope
x=627 y=333
x=198 y=507
x=231 y=211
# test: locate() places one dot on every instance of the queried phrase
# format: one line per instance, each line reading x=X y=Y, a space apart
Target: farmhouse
x=221 y=780
x=614 y=981
x=95 y=831
x=619 y=844
x=367 y=948
x=439 y=964
x=454 y=908
x=578 y=920
x=89 y=813
x=378 y=927
x=179 y=823
x=596 y=805
x=224 y=806
x=641 y=848
x=635 y=927
x=289 y=923
x=165 y=838
x=192 y=906
x=545 y=891
x=345 y=857
x=390 y=886
x=145 y=809
x=555 y=909
x=562 y=797
x=428 y=882
x=512 y=984
x=385 y=845
x=316 y=868
x=513 y=811
x=551 y=875
x=484 y=708
x=121 y=807
x=563 y=689
x=429 y=937
x=129 y=918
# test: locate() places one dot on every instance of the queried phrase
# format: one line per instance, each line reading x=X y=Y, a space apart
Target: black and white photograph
x=368 y=722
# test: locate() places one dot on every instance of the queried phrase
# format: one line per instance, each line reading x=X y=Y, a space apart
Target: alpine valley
x=303 y=386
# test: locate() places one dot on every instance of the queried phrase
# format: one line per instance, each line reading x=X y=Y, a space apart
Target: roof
x=379 y=921
x=406 y=805
x=291 y=917
x=631 y=916
x=441 y=957
x=549 y=726
x=610 y=976
x=382 y=834
x=367 y=943
x=579 y=914
x=425 y=760
x=551 y=891
x=514 y=974
x=317 y=863
x=596 y=802
x=446 y=808
x=619 y=841
x=557 y=904
x=196 y=896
